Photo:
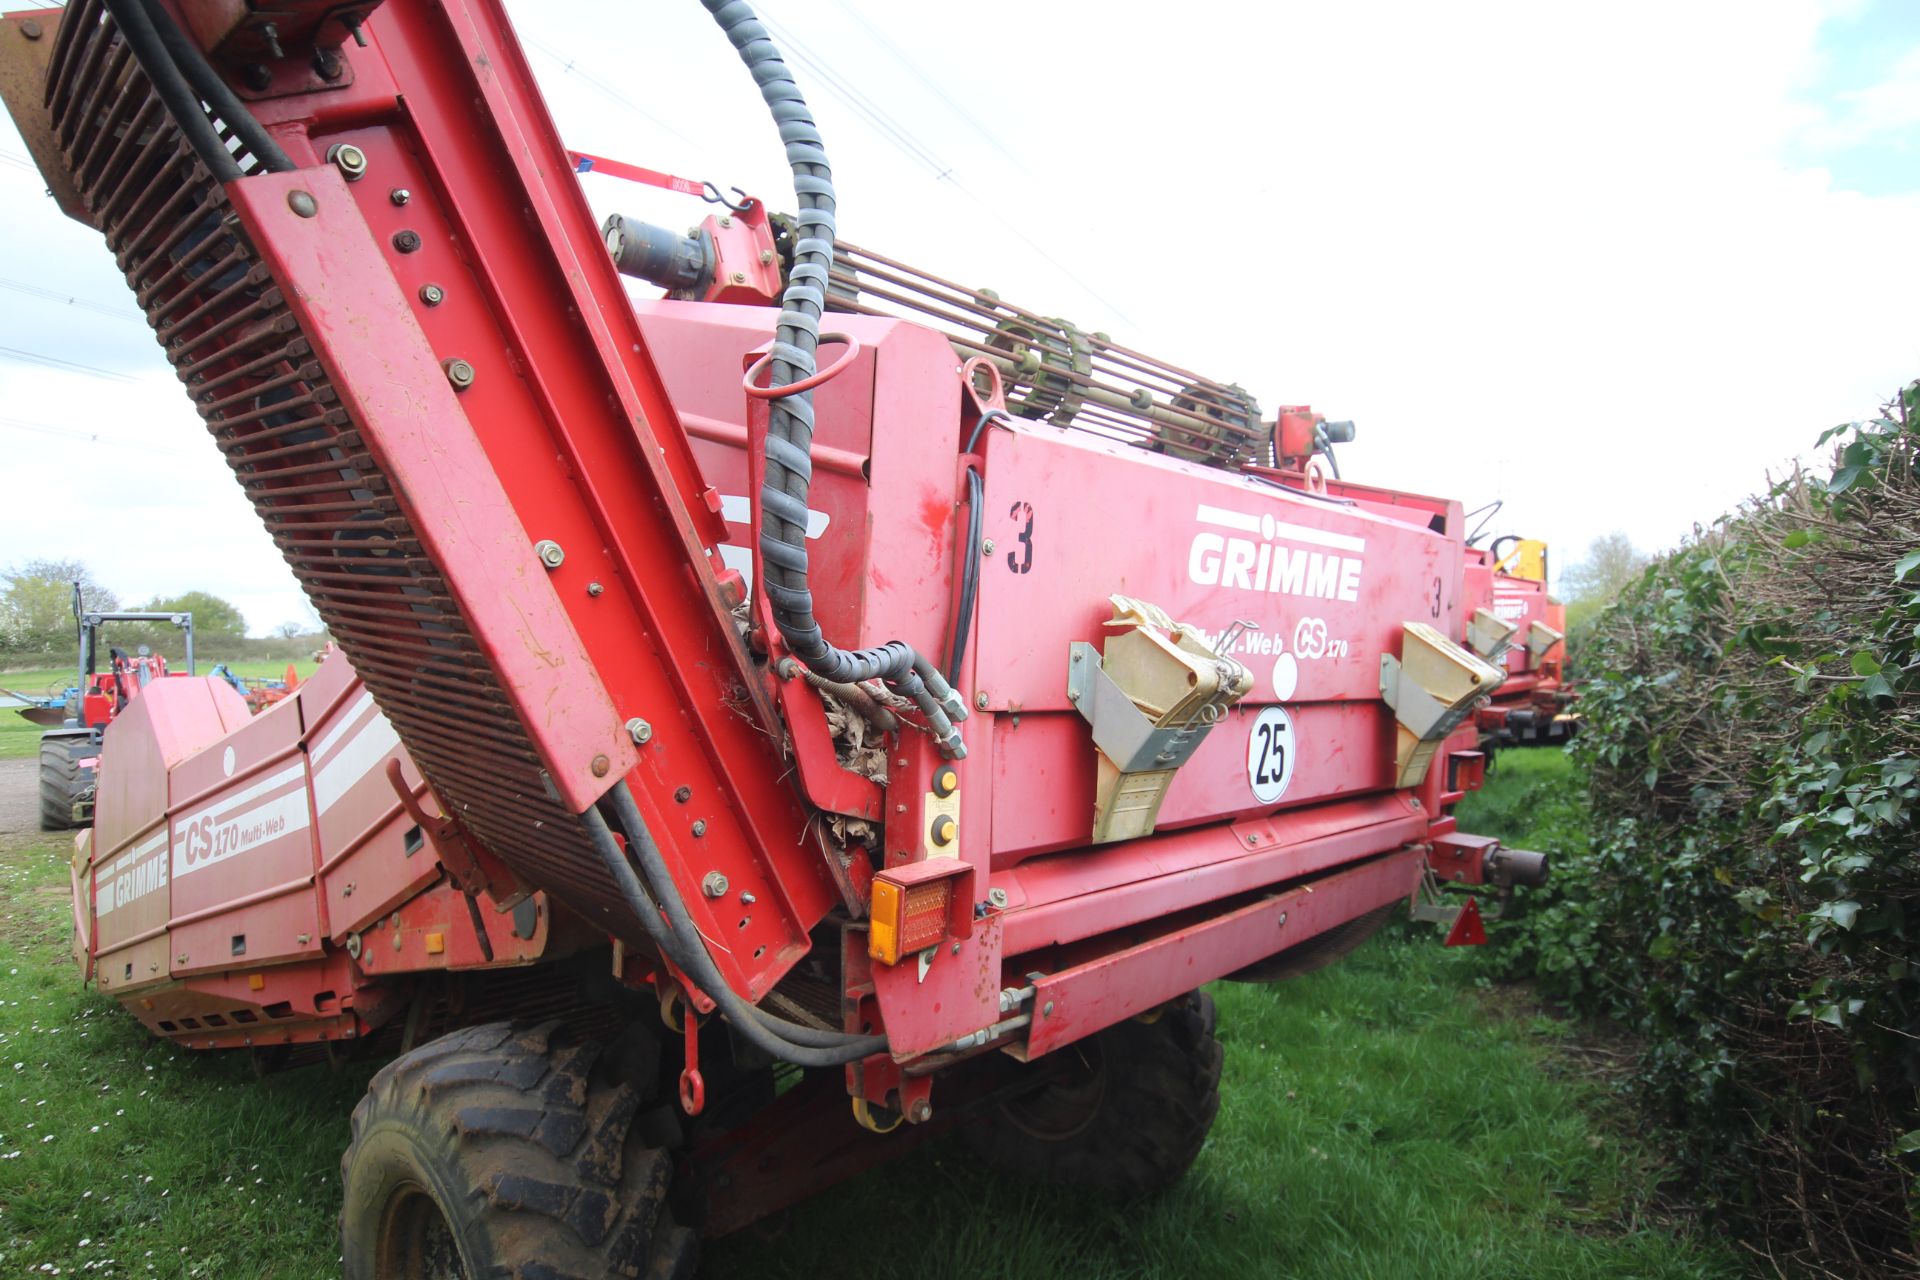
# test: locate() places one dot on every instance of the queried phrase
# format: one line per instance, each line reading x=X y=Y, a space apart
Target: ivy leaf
x=1865 y=664
x=1844 y=479
x=1905 y=565
x=1908 y=1142
x=1842 y=913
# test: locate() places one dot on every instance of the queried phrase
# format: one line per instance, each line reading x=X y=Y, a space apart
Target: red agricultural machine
x=594 y=820
x=70 y=748
x=1513 y=623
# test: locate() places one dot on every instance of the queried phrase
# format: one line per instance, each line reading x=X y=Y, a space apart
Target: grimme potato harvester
x=1516 y=625
x=593 y=819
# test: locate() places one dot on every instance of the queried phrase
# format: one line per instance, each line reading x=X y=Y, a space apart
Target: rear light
x=918 y=906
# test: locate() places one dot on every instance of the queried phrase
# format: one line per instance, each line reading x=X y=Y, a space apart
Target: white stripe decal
x=136 y=853
x=222 y=805
x=356 y=759
x=340 y=725
x=1227 y=519
x=1268 y=528
x=203 y=843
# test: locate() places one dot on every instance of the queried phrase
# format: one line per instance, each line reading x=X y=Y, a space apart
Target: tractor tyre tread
x=61 y=779
x=1161 y=1096
x=1318 y=951
x=524 y=1137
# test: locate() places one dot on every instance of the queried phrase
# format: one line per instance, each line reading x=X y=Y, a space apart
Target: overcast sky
x=1610 y=263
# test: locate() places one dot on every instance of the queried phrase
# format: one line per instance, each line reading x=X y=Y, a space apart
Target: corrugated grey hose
x=789 y=463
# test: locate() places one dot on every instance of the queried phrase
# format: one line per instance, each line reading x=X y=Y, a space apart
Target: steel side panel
x=391 y=382
x=365 y=867
x=1075 y=896
x=1104 y=991
x=1086 y=519
x=1044 y=772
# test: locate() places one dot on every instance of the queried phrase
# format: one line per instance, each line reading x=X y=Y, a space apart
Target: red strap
x=586 y=162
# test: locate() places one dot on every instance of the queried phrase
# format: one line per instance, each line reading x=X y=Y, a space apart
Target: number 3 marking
x=1024 y=561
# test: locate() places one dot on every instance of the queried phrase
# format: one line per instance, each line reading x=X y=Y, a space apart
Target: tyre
x=507 y=1151
x=1318 y=951
x=1128 y=1118
x=62 y=780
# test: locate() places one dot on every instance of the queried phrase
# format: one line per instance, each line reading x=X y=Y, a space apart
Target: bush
x=1752 y=739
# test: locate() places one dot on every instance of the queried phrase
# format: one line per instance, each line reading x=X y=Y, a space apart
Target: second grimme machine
x=825 y=670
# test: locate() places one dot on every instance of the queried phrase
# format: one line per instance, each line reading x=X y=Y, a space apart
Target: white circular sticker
x=1286 y=676
x=226 y=761
x=1270 y=752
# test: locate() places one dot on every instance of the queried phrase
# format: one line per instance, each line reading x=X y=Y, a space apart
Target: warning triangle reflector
x=1467 y=929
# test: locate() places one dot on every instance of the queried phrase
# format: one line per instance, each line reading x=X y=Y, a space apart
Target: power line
x=65 y=366
x=34 y=290
x=881 y=121
x=932 y=87
x=88 y=437
x=570 y=67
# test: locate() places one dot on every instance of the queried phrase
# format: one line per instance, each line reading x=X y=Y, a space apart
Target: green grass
x=1394 y=1116
x=1534 y=799
x=20 y=738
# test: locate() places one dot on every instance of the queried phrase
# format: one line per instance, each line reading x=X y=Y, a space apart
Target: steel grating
x=256 y=380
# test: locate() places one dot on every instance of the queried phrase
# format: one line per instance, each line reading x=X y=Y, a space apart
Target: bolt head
x=406 y=241
x=766 y=257
x=399 y=195
x=682 y=794
x=549 y=552
x=699 y=827
x=997 y=897
x=986 y=548
x=30 y=29
x=350 y=160
x=1048 y=1011
x=432 y=294
x=459 y=373
x=640 y=731
x=303 y=203
x=595 y=589
x=980 y=700
x=600 y=766
x=738 y=277
x=921 y=1111
x=714 y=885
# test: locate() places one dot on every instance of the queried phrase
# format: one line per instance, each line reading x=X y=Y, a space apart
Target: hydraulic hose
x=660 y=888
x=175 y=94
x=743 y=1016
x=790 y=421
x=190 y=62
x=679 y=940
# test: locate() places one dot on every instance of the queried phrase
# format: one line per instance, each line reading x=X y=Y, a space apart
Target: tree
x=1589 y=586
x=213 y=618
x=36 y=606
x=1612 y=562
x=290 y=630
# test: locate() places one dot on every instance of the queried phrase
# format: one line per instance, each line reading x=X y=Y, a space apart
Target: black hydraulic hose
x=679 y=939
x=742 y=1017
x=790 y=421
x=690 y=951
x=188 y=59
x=970 y=557
x=175 y=94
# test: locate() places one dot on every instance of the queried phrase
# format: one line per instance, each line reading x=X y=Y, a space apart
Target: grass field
x=1391 y=1117
x=21 y=738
